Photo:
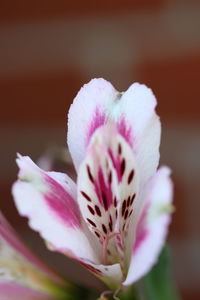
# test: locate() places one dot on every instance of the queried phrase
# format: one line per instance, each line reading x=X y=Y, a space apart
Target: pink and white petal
x=88 y=111
x=10 y=241
x=140 y=125
x=13 y=291
x=107 y=184
x=52 y=210
x=152 y=225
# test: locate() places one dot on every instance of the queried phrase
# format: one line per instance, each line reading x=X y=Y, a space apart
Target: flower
x=114 y=220
x=22 y=275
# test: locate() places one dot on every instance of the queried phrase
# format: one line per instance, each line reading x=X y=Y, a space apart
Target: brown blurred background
x=49 y=49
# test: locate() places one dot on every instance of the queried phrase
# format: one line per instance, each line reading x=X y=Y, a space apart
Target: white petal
x=50 y=205
x=88 y=111
x=152 y=225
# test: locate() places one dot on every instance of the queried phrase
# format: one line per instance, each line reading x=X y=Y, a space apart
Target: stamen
x=105 y=246
x=104 y=250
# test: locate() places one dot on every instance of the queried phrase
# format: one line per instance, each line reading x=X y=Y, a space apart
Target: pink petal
x=88 y=111
x=151 y=226
x=13 y=291
x=48 y=200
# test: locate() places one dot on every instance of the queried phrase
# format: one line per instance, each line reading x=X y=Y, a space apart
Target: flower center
x=107 y=189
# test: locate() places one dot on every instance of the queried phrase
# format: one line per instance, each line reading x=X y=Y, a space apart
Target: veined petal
x=152 y=225
x=107 y=186
x=48 y=200
x=89 y=109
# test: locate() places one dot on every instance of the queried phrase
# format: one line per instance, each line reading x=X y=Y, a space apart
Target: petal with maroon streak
x=104 y=183
x=48 y=200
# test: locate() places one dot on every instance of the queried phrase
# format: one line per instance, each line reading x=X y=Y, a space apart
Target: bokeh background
x=49 y=49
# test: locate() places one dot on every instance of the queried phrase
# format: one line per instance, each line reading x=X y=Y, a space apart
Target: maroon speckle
x=97 y=209
x=105 y=203
x=91 y=222
x=130 y=212
x=116 y=213
x=119 y=149
x=126 y=214
x=123 y=207
x=86 y=196
x=97 y=234
x=122 y=166
x=123 y=226
x=128 y=201
x=111 y=223
x=130 y=176
x=90 y=174
x=132 y=199
x=91 y=210
x=104 y=228
x=110 y=219
x=115 y=202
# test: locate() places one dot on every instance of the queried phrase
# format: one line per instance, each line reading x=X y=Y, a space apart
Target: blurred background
x=49 y=49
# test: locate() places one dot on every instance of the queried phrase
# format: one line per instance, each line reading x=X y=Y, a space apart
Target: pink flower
x=114 y=219
x=22 y=275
